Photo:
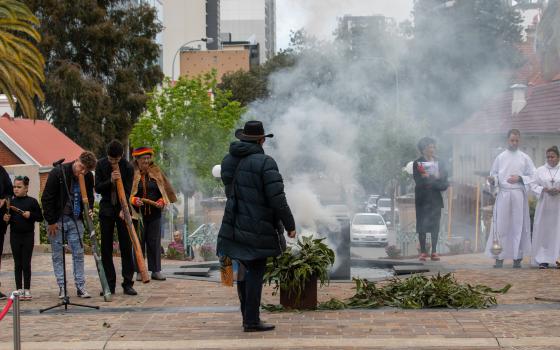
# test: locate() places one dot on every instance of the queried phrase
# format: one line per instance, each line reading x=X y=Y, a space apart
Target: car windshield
x=384 y=203
x=368 y=220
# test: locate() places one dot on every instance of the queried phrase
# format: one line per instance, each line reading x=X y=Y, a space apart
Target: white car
x=369 y=228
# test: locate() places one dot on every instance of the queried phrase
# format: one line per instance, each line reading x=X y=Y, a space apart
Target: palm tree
x=21 y=63
x=548 y=40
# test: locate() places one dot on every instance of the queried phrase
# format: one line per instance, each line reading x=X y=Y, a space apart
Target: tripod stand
x=63 y=184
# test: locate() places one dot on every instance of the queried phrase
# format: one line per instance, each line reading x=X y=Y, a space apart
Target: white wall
x=245 y=19
x=183 y=21
x=476 y=153
x=5 y=106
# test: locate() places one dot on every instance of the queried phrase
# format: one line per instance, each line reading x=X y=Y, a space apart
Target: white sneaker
x=83 y=293
x=60 y=292
x=27 y=295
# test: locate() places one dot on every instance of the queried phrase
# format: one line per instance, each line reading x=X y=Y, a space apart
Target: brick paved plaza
x=194 y=314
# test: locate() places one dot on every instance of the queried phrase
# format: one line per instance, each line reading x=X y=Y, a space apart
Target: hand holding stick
x=16 y=209
x=157 y=204
x=130 y=227
x=90 y=228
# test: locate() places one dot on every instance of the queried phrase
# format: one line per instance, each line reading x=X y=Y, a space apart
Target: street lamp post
x=396 y=71
x=207 y=40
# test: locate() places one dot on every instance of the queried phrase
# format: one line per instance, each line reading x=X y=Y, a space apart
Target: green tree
x=101 y=60
x=21 y=63
x=249 y=86
x=395 y=139
x=189 y=129
x=548 y=36
x=462 y=53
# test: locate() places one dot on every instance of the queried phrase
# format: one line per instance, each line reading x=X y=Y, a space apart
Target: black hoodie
x=54 y=196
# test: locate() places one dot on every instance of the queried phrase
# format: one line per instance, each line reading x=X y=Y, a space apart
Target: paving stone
x=202 y=312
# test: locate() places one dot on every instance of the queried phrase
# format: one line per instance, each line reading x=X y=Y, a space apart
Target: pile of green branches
x=418 y=292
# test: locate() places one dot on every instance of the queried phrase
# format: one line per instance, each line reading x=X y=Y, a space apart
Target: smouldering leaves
x=419 y=292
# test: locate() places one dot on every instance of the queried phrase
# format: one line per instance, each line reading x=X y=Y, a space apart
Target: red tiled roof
x=490 y=119
x=40 y=139
x=541 y=114
x=530 y=72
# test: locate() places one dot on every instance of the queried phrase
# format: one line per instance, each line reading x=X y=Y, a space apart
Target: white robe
x=511 y=223
x=546 y=227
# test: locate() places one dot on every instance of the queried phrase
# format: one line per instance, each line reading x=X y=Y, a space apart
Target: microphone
x=58 y=162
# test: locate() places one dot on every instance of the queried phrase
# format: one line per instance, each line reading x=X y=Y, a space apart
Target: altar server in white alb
x=546 y=227
x=512 y=172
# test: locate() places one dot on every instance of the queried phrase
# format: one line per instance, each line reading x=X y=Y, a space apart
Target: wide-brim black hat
x=252 y=131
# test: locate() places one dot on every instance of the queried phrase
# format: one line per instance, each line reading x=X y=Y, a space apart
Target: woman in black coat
x=430 y=176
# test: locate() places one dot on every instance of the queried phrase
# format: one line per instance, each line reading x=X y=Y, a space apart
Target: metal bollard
x=16 y=325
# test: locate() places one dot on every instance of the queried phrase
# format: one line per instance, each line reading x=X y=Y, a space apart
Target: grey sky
x=319 y=17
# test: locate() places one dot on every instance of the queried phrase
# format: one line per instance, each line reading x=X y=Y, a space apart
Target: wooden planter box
x=308 y=299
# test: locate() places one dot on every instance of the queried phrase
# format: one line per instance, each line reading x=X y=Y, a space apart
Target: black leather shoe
x=128 y=290
x=259 y=327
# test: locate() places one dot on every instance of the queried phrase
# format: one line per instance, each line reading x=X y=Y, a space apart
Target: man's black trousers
x=107 y=224
x=250 y=291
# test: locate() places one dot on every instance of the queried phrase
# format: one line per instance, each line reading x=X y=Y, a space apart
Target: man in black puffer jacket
x=256 y=209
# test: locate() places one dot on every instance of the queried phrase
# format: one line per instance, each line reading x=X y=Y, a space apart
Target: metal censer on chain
x=496 y=248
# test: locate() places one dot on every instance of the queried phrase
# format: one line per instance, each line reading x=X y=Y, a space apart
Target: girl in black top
x=23 y=212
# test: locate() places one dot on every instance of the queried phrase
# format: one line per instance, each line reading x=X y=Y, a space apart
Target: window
x=368 y=220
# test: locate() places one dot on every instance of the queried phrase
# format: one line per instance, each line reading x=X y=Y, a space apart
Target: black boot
x=128 y=290
x=517 y=263
x=259 y=327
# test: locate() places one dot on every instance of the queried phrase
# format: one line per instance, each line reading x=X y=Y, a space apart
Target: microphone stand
x=63 y=184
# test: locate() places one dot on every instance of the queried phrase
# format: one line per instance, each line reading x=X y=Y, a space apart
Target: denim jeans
x=73 y=237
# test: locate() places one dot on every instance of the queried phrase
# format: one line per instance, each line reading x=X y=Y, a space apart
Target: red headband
x=140 y=151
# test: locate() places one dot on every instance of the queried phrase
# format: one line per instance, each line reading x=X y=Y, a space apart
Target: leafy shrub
x=295 y=266
x=174 y=254
x=208 y=252
x=393 y=252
